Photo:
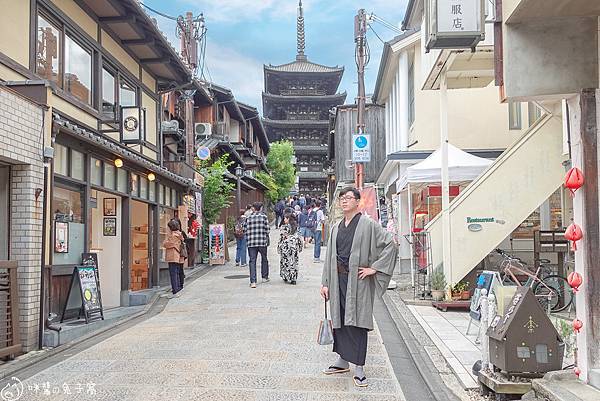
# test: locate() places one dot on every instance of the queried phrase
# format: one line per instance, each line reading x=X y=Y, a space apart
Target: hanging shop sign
x=361 y=148
x=454 y=24
x=132 y=124
x=84 y=293
x=217 y=244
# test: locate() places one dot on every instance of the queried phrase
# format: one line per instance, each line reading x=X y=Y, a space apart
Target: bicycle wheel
x=554 y=291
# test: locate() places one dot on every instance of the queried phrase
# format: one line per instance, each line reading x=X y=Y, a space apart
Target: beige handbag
x=325 y=335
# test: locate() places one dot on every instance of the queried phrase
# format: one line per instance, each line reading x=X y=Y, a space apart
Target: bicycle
x=552 y=291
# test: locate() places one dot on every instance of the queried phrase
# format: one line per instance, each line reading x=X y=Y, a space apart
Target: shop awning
x=462 y=166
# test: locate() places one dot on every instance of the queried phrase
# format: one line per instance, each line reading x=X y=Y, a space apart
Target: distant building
x=296 y=102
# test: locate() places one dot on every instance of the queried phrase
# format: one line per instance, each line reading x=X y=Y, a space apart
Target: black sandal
x=360 y=381
x=332 y=370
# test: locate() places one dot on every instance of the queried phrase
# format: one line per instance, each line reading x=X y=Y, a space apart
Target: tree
x=281 y=169
x=269 y=182
x=217 y=192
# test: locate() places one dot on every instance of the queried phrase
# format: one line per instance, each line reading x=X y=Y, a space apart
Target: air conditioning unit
x=202 y=129
x=169 y=126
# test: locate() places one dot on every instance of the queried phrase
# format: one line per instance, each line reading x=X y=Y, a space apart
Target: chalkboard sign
x=84 y=293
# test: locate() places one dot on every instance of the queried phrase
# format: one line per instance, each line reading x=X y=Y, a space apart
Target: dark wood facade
x=297 y=99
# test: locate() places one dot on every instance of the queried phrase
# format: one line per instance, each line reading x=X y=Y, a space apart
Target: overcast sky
x=243 y=35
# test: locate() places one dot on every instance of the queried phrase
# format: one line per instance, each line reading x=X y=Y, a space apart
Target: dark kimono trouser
x=349 y=342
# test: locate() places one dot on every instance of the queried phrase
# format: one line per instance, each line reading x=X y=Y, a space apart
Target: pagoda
x=296 y=103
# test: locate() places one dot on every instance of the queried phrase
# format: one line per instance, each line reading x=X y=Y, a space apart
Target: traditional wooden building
x=296 y=103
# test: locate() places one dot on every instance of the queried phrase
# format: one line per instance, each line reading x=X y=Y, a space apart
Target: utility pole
x=360 y=38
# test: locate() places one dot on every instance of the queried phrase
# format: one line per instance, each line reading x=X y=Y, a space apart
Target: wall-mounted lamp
x=38 y=192
x=151 y=177
x=118 y=163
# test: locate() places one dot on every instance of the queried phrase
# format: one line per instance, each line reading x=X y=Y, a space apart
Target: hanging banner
x=217 y=244
x=368 y=203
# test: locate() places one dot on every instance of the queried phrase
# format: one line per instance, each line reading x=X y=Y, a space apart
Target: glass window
x=135 y=185
x=165 y=215
x=122 y=181
x=127 y=94
x=77 y=165
x=143 y=187
x=69 y=226
x=61 y=160
x=173 y=198
x=167 y=196
x=78 y=71
x=48 y=50
x=108 y=94
x=514 y=115
x=152 y=191
x=96 y=172
x=110 y=176
x=161 y=194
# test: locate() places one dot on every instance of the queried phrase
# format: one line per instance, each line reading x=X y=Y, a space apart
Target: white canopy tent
x=462 y=166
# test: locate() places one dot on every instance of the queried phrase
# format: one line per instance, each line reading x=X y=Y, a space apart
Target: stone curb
x=17 y=366
x=422 y=360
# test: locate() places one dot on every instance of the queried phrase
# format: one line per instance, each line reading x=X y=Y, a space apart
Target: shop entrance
x=4 y=205
x=140 y=241
x=105 y=240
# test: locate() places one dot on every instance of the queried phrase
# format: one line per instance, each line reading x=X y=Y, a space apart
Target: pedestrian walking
x=239 y=232
x=359 y=264
x=289 y=246
x=279 y=207
x=318 y=231
x=257 y=238
x=304 y=231
x=175 y=252
x=185 y=241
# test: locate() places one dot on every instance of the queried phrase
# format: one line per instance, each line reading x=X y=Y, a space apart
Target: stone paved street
x=224 y=341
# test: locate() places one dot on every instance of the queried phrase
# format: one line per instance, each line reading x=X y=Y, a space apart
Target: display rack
x=139 y=261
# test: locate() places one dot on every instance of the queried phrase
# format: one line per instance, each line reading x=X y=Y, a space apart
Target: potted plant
x=438 y=284
x=461 y=291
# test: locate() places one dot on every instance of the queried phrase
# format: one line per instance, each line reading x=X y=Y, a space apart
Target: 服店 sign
x=361 y=148
x=458 y=15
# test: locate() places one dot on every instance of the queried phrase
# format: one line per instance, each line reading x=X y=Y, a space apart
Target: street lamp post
x=239 y=172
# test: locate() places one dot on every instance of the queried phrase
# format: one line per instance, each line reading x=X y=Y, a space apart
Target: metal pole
x=446 y=237
x=360 y=38
x=239 y=195
x=485 y=356
x=410 y=236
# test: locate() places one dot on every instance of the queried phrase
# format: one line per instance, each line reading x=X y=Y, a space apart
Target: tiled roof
x=303 y=66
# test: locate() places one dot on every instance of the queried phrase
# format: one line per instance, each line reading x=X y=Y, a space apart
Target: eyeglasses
x=346 y=198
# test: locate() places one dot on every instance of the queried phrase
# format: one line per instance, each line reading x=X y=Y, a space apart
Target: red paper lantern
x=577 y=371
x=574 y=279
x=574 y=234
x=574 y=180
x=577 y=325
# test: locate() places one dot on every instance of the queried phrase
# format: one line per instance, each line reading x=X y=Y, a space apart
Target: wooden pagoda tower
x=296 y=103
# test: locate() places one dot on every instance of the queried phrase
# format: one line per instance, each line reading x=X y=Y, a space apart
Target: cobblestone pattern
x=21 y=144
x=225 y=341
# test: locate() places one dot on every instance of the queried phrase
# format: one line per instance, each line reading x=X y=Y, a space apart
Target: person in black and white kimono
x=290 y=244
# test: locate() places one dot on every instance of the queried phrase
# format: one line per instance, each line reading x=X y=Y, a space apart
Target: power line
x=159 y=13
x=378 y=37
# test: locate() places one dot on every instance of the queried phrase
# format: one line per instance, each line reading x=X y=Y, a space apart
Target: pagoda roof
x=303 y=66
x=337 y=98
x=296 y=123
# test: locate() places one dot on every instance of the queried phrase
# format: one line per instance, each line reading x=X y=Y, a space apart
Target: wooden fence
x=10 y=340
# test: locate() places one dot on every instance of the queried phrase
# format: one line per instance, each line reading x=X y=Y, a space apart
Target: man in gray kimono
x=360 y=260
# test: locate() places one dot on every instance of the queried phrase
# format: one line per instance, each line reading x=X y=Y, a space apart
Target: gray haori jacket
x=373 y=247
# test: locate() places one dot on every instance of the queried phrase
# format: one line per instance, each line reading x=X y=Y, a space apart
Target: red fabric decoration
x=574 y=234
x=577 y=371
x=577 y=325
x=574 y=180
x=574 y=279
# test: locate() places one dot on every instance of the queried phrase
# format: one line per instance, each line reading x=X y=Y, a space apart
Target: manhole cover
x=237 y=276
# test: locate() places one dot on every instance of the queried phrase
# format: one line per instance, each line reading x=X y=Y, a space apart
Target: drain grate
x=237 y=276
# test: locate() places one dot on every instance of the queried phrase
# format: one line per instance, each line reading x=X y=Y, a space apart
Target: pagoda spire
x=300 y=38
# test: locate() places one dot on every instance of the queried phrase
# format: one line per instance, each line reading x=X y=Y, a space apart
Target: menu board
x=84 y=292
